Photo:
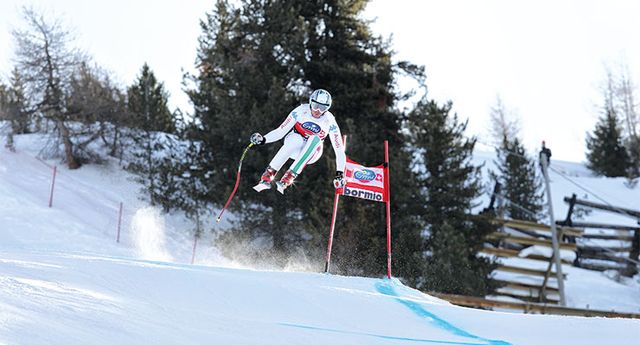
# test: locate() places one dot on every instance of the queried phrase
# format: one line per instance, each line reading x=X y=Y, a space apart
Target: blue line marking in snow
x=386 y=288
x=389 y=337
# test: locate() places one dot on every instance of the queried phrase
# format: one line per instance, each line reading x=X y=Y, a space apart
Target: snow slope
x=62 y=298
x=65 y=280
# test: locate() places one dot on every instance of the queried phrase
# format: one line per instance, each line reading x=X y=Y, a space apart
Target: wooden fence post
x=567 y=221
x=632 y=267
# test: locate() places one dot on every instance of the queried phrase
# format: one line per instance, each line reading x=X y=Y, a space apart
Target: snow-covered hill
x=66 y=298
x=65 y=280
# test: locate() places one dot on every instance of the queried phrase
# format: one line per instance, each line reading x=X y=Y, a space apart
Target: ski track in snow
x=387 y=289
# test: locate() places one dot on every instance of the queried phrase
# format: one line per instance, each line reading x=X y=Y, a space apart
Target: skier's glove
x=257 y=139
x=339 y=180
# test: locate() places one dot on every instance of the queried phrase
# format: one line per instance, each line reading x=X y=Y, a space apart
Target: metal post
x=195 y=238
x=119 y=223
x=388 y=206
x=554 y=234
x=193 y=251
x=53 y=184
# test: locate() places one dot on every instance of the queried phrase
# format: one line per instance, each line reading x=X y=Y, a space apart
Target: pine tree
x=520 y=183
x=17 y=105
x=3 y=115
x=451 y=184
x=147 y=103
x=257 y=63
x=242 y=87
x=633 y=149
x=606 y=155
x=620 y=96
x=625 y=101
x=154 y=155
x=356 y=66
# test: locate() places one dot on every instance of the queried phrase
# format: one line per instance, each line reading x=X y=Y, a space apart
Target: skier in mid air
x=304 y=131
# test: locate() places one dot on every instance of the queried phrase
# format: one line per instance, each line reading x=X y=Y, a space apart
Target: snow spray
x=148 y=230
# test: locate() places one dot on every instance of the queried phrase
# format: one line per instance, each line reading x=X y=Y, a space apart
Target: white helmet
x=320 y=99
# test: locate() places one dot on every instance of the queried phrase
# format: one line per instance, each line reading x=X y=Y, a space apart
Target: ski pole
x=235 y=188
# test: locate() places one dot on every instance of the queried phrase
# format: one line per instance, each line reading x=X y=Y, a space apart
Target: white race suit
x=304 y=137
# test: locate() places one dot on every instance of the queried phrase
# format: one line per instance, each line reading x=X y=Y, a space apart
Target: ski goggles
x=319 y=106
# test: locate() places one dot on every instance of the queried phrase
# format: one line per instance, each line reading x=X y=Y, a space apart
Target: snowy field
x=65 y=280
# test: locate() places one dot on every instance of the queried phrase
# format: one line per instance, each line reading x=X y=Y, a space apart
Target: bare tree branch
x=504 y=123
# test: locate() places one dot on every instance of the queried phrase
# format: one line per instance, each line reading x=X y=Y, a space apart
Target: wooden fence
x=522 y=281
x=596 y=246
x=618 y=246
x=539 y=308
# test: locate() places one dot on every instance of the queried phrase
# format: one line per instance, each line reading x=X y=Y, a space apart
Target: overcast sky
x=544 y=58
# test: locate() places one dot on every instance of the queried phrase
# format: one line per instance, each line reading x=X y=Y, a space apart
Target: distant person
x=546 y=152
x=304 y=131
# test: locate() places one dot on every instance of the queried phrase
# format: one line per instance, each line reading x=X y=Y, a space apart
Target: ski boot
x=265 y=180
x=285 y=181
